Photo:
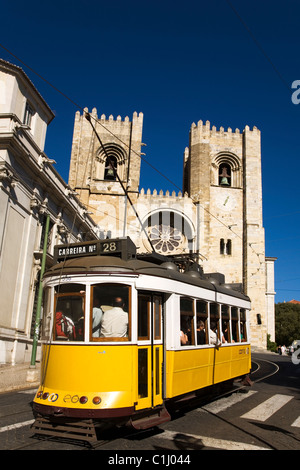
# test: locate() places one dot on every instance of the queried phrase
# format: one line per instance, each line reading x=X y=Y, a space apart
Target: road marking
x=224 y=403
x=16 y=425
x=266 y=409
x=296 y=423
x=193 y=440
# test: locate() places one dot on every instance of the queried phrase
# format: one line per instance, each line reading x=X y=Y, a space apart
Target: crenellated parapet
x=206 y=131
x=161 y=195
x=137 y=118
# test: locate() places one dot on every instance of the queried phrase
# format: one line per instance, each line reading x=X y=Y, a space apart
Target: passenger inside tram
x=65 y=328
x=213 y=335
x=201 y=336
x=97 y=317
x=114 y=321
x=184 y=340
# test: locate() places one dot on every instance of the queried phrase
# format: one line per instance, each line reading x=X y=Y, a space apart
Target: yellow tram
x=124 y=334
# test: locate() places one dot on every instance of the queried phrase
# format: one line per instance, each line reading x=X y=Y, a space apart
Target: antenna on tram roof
x=88 y=117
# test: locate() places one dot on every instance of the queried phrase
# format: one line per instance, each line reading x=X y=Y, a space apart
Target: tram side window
x=214 y=334
x=187 y=330
x=110 y=312
x=202 y=323
x=69 y=312
x=226 y=327
x=235 y=324
x=243 y=325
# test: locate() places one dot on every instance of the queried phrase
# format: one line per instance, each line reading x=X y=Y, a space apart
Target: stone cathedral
x=217 y=217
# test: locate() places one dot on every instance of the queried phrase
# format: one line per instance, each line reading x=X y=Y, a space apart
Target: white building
x=30 y=190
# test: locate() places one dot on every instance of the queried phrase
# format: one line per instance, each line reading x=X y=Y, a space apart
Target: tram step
x=81 y=430
x=150 y=419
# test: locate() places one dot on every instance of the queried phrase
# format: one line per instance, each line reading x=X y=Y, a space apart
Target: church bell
x=110 y=172
x=224 y=181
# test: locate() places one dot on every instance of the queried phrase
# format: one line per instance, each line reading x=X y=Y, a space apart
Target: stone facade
x=218 y=217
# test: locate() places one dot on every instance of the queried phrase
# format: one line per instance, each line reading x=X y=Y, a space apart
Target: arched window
x=226 y=170
x=110 y=157
x=225 y=247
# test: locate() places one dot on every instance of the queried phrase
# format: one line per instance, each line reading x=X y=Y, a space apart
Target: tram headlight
x=45 y=395
x=96 y=400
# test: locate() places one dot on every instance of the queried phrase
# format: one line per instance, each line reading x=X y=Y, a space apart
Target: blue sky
x=232 y=63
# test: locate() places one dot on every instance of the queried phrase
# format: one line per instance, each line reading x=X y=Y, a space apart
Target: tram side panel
x=192 y=369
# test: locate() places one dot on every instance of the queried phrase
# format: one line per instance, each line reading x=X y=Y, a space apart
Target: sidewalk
x=16 y=377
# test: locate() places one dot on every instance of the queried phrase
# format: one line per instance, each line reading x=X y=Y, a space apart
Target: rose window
x=166 y=239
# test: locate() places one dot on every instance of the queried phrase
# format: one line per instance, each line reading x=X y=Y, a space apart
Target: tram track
x=262 y=369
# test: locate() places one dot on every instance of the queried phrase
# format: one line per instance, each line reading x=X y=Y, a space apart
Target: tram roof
x=160 y=268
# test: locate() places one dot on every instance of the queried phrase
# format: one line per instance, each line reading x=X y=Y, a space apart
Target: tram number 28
x=109 y=247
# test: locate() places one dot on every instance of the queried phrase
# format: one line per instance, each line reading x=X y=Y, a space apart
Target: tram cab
x=111 y=334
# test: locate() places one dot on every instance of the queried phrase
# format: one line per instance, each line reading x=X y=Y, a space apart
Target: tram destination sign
x=121 y=247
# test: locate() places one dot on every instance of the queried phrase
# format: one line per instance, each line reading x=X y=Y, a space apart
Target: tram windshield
x=109 y=307
x=110 y=312
x=69 y=312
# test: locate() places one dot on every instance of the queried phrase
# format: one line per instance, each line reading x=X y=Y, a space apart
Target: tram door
x=150 y=350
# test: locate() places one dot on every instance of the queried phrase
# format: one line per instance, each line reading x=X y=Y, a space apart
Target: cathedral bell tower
x=222 y=174
x=93 y=167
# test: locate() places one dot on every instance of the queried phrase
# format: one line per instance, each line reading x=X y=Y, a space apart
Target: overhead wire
x=257 y=43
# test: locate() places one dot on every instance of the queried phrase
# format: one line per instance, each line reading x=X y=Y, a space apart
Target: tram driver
x=114 y=321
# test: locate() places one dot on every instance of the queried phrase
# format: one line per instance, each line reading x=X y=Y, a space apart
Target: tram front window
x=110 y=312
x=69 y=312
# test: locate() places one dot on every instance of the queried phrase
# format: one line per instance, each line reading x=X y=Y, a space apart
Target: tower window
x=110 y=168
x=225 y=247
x=224 y=175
